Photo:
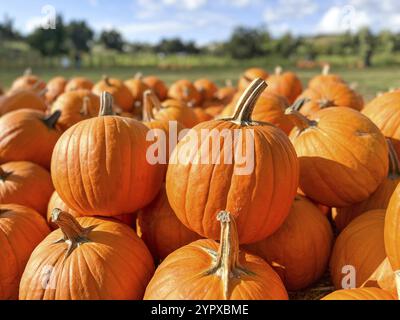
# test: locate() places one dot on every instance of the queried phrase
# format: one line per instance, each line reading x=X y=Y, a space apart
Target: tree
x=50 y=42
x=287 y=45
x=112 y=39
x=366 y=46
x=79 y=36
x=245 y=43
x=7 y=31
x=387 y=41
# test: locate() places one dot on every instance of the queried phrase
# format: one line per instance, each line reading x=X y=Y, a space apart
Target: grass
x=369 y=81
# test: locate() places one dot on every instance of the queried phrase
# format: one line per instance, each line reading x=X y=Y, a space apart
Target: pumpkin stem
x=278 y=70
x=28 y=71
x=150 y=102
x=248 y=100
x=229 y=83
x=85 y=106
x=42 y=92
x=106 y=79
x=74 y=233
x=106 y=104
x=326 y=103
x=138 y=76
x=397 y=275
x=298 y=119
x=394 y=167
x=52 y=119
x=326 y=69
x=4 y=175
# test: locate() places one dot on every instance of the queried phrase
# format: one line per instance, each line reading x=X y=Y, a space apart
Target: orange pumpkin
x=111 y=152
x=137 y=87
x=384 y=277
x=202 y=115
x=55 y=87
x=120 y=92
x=207 y=89
x=186 y=92
x=226 y=94
x=28 y=135
x=286 y=84
x=79 y=83
x=325 y=77
x=378 y=200
x=158 y=86
x=343 y=155
x=87 y=259
x=360 y=294
x=22 y=99
x=258 y=192
x=21 y=230
x=174 y=110
x=76 y=106
x=250 y=75
x=28 y=81
x=206 y=270
x=161 y=230
x=299 y=251
x=361 y=246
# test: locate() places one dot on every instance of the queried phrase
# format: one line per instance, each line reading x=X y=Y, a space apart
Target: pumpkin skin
x=215 y=186
x=22 y=99
x=137 y=87
x=79 y=83
x=109 y=145
x=72 y=277
x=207 y=89
x=202 y=115
x=384 y=111
x=26 y=184
x=392 y=227
x=174 y=110
x=158 y=86
x=186 y=92
x=122 y=96
x=55 y=88
x=75 y=106
x=21 y=230
x=286 y=84
x=360 y=294
x=250 y=75
x=359 y=245
x=226 y=94
x=378 y=200
x=28 y=81
x=160 y=229
x=56 y=202
x=299 y=251
x=327 y=95
x=344 y=142
x=325 y=77
x=384 y=277
x=28 y=135
x=216 y=272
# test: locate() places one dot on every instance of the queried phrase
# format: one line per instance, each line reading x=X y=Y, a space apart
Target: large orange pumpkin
x=378 y=200
x=26 y=184
x=21 y=230
x=79 y=83
x=76 y=106
x=325 y=77
x=28 y=135
x=120 y=92
x=174 y=110
x=360 y=294
x=161 y=230
x=299 y=251
x=114 y=175
x=158 y=86
x=207 y=89
x=286 y=84
x=258 y=191
x=186 y=92
x=206 y=270
x=28 y=81
x=343 y=155
x=87 y=259
x=55 y=87
x=361 y=246
x=22 y=99
x=250 y=75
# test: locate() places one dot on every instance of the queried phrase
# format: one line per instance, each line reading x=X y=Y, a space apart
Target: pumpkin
x=384 y=111
x=250 y=75
x=202 y=115
x=111 y=152
x=258 y=192
x=327 y=95
x=161 y=230
x=87 y=259
x=213 y=107
x=286 y=84
x=26 y=184
x=384 y=277
x=299 y=251
x=360 y=294
x=137 y=87
x=206 y=270
x=361 y=246
x=75 y=106
x=55 y=87
x=378 y=200
x=158 y=86
x=186 y=92
x=207 y=89
x=22 y=99
x=342 y=154
x=325 y=77
x=28 y=81
x=21 y=230
x=56 y=202
x=226 y=94
x=174 y=110
x=79 y=83
x=28 y=135
x=120 y=92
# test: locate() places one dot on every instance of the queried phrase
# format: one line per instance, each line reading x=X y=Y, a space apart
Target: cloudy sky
x=211 y=20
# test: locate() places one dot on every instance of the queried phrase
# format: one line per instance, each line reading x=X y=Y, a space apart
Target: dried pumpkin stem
x=394 y=167
x=248 y=100
x=138 y=76
x=278 y=70
x=298 y=119
x=229 y=83
x=326 y=69
x=150 y=102
x=28 y=72
x=51 y=120
x=42 y=92
x=106 y=79
x=106 y=105
x=326 y=103
x=85 y=106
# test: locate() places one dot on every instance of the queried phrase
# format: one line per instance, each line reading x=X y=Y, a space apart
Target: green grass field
x=368 y=81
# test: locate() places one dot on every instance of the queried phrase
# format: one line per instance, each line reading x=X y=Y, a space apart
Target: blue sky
x=211 y=20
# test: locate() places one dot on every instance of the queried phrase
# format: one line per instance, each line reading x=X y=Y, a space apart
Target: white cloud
x=33 y=23
x=289 y=9
x=186 y=4
x=341 y=19
x=93 y=3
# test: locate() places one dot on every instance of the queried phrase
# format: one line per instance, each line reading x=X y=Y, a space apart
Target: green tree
x=286 y=45
x=366 y=46
x=79 y=36
x=386 y=41
x=7 y=31
x=246 y=43
x=112 y=39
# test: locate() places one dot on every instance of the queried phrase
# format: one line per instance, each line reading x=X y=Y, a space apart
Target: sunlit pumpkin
x=207 y=88
x=360 y=294
x=286 y=84
x=22 y=99
x=184 y=91
x=79 y=83
x=325 y=77
x=158 y=86
x=249 y=75
x=55 y=87
x=28 y=81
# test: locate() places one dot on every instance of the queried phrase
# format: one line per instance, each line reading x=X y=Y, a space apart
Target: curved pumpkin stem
x=150 y=102
x=326 y=69
x=247 y=101
x=74 y=233
x=278 y=70
x=51 y=120
x=394 y=166
x=106 y=79
x=138 y=76
x=106 y=105
x=298 y=119
x=85 y=106
x=326 y=103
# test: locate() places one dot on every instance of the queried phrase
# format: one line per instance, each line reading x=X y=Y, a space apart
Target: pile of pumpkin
x=84 y=215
